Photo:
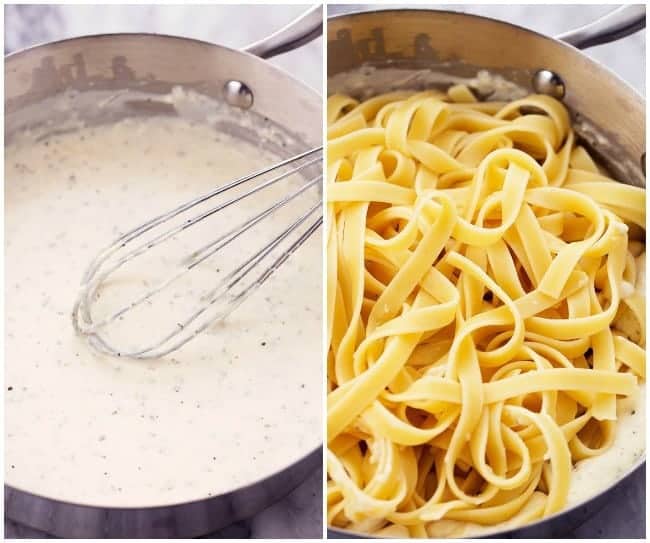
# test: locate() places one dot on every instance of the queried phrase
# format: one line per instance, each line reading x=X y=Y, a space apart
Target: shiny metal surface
x=154 y=64
x=610 y=115
x=238 y=94
x=185 y=520
x=621 y=22
x=549 y=83
x=298 y=32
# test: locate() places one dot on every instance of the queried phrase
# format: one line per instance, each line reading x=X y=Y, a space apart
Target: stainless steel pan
x=152 y=65
x=370 y=52
x=610 y=115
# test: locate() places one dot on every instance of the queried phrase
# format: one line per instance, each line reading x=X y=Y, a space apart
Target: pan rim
x=18 y=54
x=621 y=82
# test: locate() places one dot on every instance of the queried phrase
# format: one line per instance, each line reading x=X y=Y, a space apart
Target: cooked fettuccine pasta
x=485 y=310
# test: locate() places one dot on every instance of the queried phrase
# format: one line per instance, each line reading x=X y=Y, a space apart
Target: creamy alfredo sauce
x=589 y=477
x=233 y=406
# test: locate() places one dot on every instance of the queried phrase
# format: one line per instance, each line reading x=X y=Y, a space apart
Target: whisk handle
x=298 y=32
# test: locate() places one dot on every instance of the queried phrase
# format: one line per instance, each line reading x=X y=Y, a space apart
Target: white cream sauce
x=594 y=475
x=589 y=477
x=235 y=405
x=367 y=81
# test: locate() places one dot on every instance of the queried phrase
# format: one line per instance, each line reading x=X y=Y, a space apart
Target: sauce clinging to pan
x=227 y=410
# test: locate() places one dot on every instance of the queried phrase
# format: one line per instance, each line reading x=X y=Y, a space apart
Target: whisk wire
x=152 y=223
x=225 y=296
x=219 y=244
x=224 y=293
x=249 y=224
x=141 y=249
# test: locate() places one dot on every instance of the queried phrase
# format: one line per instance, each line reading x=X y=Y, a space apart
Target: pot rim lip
x=531 y=525
x=20 y=53
x=490 y=20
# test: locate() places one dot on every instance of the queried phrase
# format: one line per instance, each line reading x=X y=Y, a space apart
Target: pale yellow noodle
x=484 y=310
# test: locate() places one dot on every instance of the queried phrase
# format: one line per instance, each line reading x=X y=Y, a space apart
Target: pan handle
x=300 y=31
x=616 y=24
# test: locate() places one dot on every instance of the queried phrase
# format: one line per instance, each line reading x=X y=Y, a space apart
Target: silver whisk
x=234 y=286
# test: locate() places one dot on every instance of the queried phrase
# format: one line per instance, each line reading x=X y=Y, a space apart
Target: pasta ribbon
x=485 y=310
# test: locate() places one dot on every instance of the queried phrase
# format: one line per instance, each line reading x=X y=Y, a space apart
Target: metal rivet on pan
x=550 y=83
x=238 y=94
